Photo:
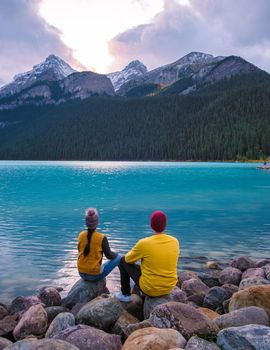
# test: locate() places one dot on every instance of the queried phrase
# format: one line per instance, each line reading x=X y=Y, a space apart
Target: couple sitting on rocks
x=158 y=255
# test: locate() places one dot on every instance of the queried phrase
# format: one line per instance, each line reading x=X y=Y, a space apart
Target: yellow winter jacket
x=159 y=257
x=90 y=264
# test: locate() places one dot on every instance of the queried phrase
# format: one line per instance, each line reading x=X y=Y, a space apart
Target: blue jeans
x=105 y=270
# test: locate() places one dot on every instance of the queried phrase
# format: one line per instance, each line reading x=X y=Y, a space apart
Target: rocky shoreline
x=220 y=308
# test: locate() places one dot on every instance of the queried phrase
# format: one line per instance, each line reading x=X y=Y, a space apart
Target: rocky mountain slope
x=84 y=84
x=52 y=82
x=188 y=73
x=52 y=69
x=133 y=70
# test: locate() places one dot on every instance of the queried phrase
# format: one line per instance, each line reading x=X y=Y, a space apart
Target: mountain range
x=54 y=81
x=199 y=107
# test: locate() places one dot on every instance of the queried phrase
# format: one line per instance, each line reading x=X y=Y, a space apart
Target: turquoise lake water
x=216 y=210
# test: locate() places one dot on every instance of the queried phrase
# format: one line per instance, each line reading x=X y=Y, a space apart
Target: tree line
x=229 y=120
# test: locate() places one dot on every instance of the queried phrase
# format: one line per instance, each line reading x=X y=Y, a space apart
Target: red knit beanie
x=158 y=221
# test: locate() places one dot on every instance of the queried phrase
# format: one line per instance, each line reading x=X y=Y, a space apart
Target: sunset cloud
x=26 y=39
x=223 y=27
x=105 y=35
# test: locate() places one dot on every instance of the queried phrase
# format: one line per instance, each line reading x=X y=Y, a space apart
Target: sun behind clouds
x=88 y=25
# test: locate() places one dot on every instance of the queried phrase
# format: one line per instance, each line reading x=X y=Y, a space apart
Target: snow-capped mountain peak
x=195 y=56
x=59 y=66
x=51 y=69
x=136 y=64
x=133 y=70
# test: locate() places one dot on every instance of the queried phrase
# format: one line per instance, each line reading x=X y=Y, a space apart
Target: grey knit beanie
x=91 y=218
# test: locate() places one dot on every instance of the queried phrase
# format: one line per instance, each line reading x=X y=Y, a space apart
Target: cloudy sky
x=105 y=35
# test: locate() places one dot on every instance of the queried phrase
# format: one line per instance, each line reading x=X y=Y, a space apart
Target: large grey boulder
x=252 y=281
x=151 y=302
x=76 y=308
x=21 y=304
x=215 y=298
x=185 y=276
x=262 y=262
x=84 y=291
x=4 y=342
x=194 y=286
x=7 y=325
x=53 y=311
x=50 y=296
x=242 y=317
x=61 y=322
x=250 y=337
x=3 y=311
x=210 y=279
x=243 y=263
x=230 y=288
x=33 y=322
x=58 y=288
x=253 y=272
x=154 y=339
x=196 y=300
x=196 y=343
x=102 y=312
x=184 y=318
x=43 y=344
x=90 y=338
x=230 y=275
x=178 y=294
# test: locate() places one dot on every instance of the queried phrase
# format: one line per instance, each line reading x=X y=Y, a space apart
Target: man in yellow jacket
x=158 y=254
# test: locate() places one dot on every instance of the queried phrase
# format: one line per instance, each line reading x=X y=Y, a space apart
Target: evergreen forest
x=229 y=120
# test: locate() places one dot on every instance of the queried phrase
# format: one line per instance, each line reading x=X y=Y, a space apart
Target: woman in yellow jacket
x=91 y=247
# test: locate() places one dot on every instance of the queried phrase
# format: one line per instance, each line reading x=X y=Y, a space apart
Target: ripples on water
x=218 y=210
